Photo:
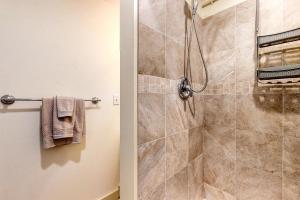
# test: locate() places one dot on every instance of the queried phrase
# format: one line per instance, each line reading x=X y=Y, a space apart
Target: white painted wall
x=58 y=47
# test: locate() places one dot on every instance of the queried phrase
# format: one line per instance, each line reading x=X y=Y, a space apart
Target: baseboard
x=112 y=196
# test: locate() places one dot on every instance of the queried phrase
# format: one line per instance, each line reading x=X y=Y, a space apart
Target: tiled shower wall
x=246 y=139
x=251 y=136
x=170 y=159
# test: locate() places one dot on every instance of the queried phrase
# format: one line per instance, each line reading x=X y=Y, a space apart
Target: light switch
x=116 y=99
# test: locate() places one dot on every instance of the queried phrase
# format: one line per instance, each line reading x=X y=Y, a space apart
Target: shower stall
x=206 y=128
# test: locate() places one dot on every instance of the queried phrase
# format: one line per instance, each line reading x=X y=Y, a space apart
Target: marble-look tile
x=213 y=193
x=151 y=54
x=174 y=59
x=152 y=13
x=259 y=150
x=271 y=17
x=195 y=142
x=291 y=14
x=177 y=14
x=245 y=64
x=260 y=113
x=195 y=179
x=151 y=169
x=255 y=184
x=219 y=165
x=291 y=168
x=291 y=106
x=216 y=62
x=218 y=31
x=177 y=186
x=219 y=120
x=195 y=111
x=176 y=114
x=151 y=117
x=245 y=24
x=176 y=153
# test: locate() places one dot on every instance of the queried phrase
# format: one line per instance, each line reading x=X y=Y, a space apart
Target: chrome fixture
x=9 y=99
x=185 y=87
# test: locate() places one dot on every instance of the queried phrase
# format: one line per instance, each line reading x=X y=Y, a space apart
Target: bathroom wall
x=170 y=159
x=251 y=140
x=59 y=47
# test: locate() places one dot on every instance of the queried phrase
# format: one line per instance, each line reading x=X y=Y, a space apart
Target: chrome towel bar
x=9 y=99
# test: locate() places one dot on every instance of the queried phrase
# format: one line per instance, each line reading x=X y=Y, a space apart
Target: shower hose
x=188 y=72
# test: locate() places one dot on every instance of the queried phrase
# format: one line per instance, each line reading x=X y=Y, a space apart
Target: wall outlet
x=116 y=99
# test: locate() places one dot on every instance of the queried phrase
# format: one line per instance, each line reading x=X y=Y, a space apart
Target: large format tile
x=195 y=179
x=291 y=168
x=255 y=184
x=151 y=169
x=151 y=54
x=292 y=115
x=176 y=15
x=259 y=150
x=212 y=193
x=151 y=117
x=195 y=142
x=219 y=166
x=177 y=153
x=271 y=17
x=260 y=113
x=219 y=120
x=177 y=186
x=219 y=32
x=195 y=111
x=291 y=14
x=176 y=114
x=174 y=59
x=152 y=13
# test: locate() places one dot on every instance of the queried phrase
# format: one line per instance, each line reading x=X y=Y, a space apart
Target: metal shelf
x=279 y=38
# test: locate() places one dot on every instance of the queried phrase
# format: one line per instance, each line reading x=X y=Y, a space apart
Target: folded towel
x=73 y=127
x=47 y=125
x=65 y=106
x=79 y=126
x=62 y=127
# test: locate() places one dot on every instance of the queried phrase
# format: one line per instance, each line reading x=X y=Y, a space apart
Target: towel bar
x=9 y=99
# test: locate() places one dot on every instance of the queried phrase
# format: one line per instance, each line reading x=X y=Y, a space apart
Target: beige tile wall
x=235 y=141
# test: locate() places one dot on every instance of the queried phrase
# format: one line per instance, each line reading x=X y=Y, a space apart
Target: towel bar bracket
x=9 y=99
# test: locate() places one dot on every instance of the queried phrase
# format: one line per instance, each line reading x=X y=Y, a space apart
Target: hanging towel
x=62 y=126
x=79 y=126
x=65 y=106
x=49 y=120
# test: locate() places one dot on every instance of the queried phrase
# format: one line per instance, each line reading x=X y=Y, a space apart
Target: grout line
x=165 y=95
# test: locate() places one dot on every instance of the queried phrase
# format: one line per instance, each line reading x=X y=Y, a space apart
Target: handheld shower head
x=195 y=5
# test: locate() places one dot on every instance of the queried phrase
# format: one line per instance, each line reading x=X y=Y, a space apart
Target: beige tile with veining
x=255 y=184
x=219 y=120
x=292 y=115
x=195 y=142
x=213 y=193
x=151 y=117
x=291 y=168
x=152 y=13
x=195 y=179
x=177 y=186
x=259 y=150
x=260 y=113
x=151 y=54
x=176 y=153
x=151 y=169
x=176 y=114
x=219 y=165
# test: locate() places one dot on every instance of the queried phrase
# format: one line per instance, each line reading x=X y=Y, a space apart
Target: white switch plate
x=116 y=99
